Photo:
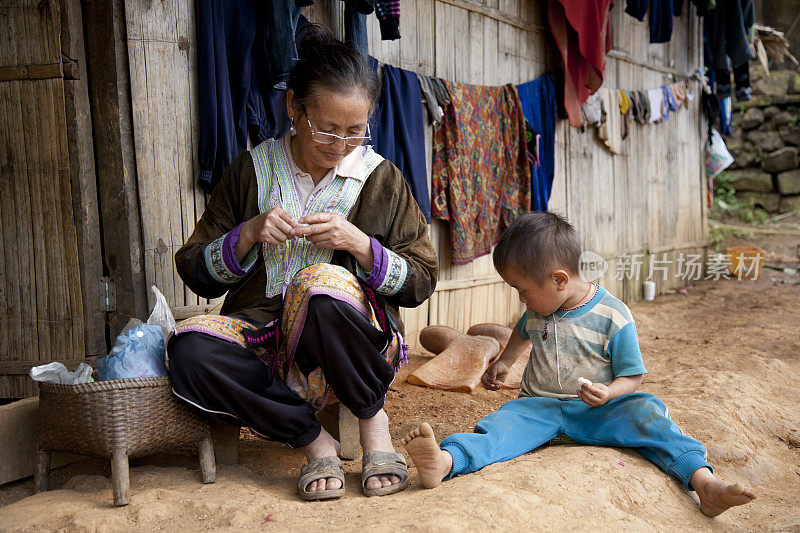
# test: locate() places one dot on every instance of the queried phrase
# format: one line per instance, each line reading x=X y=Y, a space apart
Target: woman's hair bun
x=325 y=62
x=313 y=42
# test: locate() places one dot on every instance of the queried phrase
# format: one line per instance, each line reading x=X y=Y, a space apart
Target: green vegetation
x=718 y=236
x=727 y=206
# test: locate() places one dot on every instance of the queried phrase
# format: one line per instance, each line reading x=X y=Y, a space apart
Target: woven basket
x=140 y=415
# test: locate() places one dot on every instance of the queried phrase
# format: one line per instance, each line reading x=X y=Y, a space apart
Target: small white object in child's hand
x=584 y=381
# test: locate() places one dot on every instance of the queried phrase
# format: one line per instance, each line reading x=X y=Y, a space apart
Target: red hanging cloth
x=581 y=29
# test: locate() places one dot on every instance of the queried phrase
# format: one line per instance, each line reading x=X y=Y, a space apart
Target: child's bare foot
x=718 y=496
x=433 y=463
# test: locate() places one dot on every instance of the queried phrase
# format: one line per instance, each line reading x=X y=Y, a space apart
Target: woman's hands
x=331 y=230
x=273 y=227
x=327 y=230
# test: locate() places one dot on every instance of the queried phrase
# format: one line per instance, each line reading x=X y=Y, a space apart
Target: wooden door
x=41 y=299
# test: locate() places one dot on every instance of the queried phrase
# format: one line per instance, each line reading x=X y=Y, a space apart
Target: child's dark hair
x=326 y=63
x=538 y=243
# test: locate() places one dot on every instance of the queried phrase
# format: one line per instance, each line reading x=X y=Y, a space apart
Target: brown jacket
x=385 y=210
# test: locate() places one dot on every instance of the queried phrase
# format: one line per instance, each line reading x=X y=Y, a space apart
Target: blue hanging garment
x=538 y=98
x=398 y=132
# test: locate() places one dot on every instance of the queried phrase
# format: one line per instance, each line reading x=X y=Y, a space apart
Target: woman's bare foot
x=718 y=496
x=375 y=437
x=433 y=463
x=323 y=446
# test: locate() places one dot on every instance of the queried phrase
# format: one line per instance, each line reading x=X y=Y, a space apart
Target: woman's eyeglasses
x=330 y=138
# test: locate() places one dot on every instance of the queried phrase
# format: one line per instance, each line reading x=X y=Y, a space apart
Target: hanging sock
x=388 y=13
x=625 y=106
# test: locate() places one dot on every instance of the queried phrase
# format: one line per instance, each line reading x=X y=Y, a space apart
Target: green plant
x=728 y=205
x=741 y=107
x=718 y=236
x=794 y=120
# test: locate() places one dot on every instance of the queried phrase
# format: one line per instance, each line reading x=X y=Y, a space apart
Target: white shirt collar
x=358 y=164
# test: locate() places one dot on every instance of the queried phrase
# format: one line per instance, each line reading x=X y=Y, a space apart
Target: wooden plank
x=83 y=179
x=109 y=85
x=24 y=367
x=500 y=15
x=187 y=118
x=490 y=44
x=407 y=45
x=425 y=34
x=40 y=234
x=18 y=441
x=31 y=72
x=476 y=60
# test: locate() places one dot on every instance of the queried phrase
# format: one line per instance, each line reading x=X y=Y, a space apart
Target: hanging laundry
x=532 y=139
x=538 y=100
x=581 y=31
x=644 y=104
x=678 y=92
x=726 y=29
x=481 y=176
x=244 y=53
x=388 y=13
x=670 y=104
x=711 y=107
x=355 y=21
x=592 y=111
x=636 y=107
x=661 y=14
x=610 y=131
x=435 y=96
x=655 y=100
x=398 y=131
x=725 y=115
x=625 y=112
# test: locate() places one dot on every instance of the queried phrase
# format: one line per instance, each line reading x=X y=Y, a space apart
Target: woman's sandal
x=325 y=467
x=383 y=464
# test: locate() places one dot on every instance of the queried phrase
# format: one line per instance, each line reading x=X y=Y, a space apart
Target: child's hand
x=595 y=394
x=495 y=375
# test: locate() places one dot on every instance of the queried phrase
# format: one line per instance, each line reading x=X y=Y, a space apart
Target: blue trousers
x=637 y=420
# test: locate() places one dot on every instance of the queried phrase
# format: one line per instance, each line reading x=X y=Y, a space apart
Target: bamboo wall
x=41 y=305
x=649 y=198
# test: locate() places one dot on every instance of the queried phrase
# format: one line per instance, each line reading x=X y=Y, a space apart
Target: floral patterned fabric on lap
x=320 y=278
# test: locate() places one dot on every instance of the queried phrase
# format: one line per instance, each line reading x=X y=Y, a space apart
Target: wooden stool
x=336 y=419
x=118 y=419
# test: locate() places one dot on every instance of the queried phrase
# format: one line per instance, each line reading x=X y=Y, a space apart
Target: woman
x=317 y=241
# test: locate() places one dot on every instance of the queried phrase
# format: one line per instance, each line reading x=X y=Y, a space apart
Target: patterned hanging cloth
x=481 y=177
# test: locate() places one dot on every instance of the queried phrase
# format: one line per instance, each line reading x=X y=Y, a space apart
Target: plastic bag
x=161 y=314
x=718 y=158
x=137 y=353
x=58 y=373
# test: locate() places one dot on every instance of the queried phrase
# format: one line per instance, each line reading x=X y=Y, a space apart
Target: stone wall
x=764 y=141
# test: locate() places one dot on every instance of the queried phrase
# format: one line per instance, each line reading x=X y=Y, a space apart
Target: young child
x=578 y=332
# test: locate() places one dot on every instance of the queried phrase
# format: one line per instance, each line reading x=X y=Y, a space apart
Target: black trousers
x=233 y=385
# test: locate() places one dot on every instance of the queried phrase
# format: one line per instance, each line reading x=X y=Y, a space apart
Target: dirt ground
x=724 y=356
